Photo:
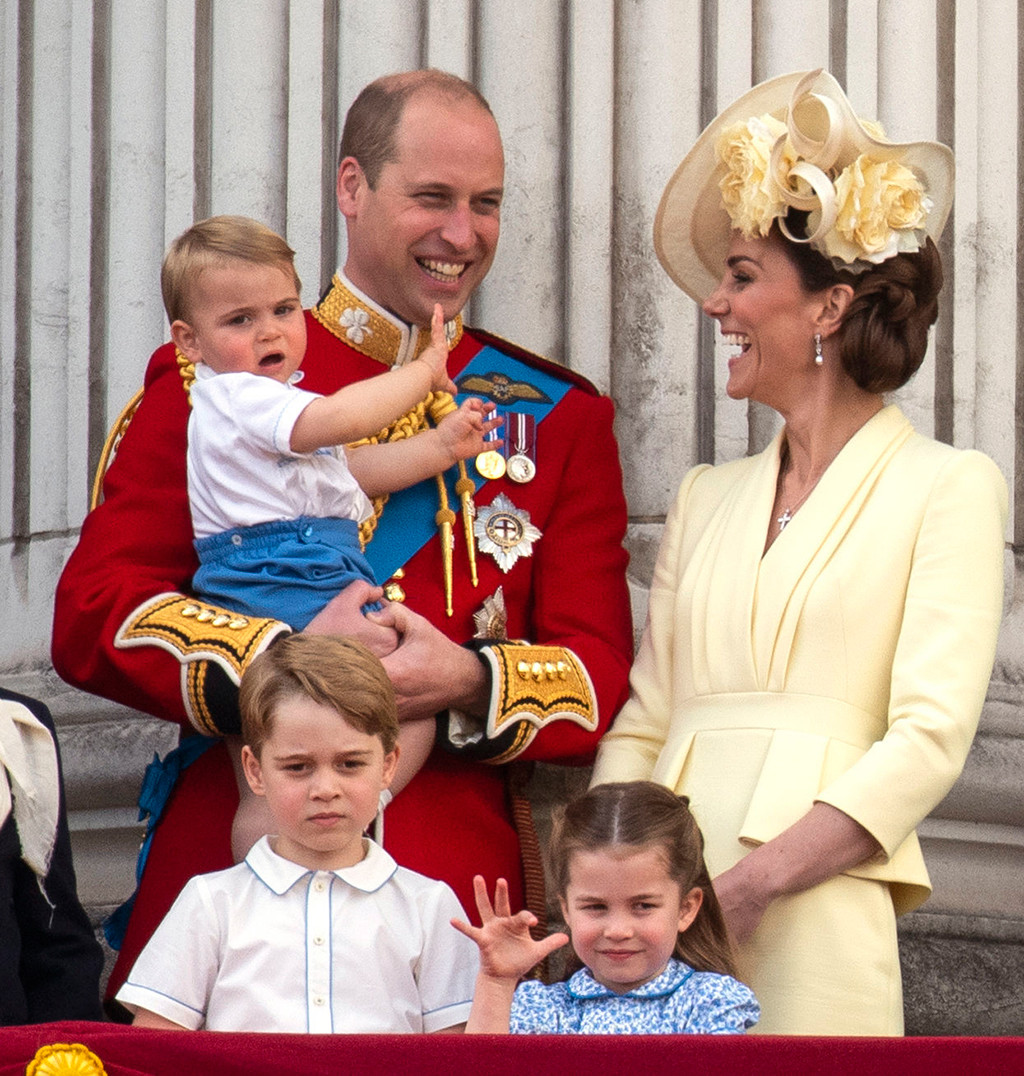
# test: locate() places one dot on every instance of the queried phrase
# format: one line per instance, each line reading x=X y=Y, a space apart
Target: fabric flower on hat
x=880 y=204
x=749 y=192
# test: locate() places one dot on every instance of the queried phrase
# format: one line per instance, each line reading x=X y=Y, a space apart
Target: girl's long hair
x=636 y=815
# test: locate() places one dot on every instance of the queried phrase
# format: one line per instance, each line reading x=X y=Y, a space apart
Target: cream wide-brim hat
x=692 y=229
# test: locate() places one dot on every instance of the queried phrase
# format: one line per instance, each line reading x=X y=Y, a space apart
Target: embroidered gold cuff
x=199 y=634
x=531 y=687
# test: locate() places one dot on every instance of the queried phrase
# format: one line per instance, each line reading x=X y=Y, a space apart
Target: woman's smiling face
x=762 y=308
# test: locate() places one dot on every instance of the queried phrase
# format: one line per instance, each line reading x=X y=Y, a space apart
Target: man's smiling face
x=427 y=232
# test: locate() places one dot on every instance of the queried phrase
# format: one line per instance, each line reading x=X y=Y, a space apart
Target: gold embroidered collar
x=356 y=319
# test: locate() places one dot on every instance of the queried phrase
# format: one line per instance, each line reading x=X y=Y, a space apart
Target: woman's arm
x=822 y=844
x=939 y=674
x=630 y=748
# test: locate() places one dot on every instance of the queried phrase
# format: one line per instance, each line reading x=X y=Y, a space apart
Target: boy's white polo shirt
x=269 y=945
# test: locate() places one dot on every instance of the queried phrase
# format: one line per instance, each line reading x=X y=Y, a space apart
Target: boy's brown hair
x=212 y=242
x=333 y=671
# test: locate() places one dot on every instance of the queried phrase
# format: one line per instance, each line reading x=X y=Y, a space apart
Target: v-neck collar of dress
x=761 y=595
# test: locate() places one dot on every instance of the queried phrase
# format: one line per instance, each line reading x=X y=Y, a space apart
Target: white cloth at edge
x=269 y=945
x=28 y=771
x=241 y=470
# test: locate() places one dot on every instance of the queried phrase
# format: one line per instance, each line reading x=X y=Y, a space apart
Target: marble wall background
x=121 y=121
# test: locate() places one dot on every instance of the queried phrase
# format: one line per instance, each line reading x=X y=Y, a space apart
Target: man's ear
x=253 y=770
x=351 y=180
x=184 y=338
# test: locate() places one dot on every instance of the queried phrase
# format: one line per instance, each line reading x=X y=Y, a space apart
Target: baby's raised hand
x=436 y=354
x=507 y=950
x=462 y=431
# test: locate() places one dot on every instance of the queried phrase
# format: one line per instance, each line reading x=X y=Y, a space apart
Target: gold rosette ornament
x=65 y=1059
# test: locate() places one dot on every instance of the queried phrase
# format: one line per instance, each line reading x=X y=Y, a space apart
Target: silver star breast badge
x=505 y=532
x=491 y=618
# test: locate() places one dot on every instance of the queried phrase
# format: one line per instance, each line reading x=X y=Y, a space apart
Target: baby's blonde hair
x=213 y=242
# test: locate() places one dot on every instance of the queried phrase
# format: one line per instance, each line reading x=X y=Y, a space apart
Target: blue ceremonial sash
x=157 y=785
x=407 y=523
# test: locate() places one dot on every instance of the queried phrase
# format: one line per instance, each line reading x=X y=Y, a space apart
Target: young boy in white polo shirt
x=319 y=930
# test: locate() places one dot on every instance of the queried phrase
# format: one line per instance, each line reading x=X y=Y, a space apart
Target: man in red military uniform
x=528 y=660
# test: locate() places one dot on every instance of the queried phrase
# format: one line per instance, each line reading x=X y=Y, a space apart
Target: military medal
x=505 y=532
x=521 y=468
x=491 y=619
x=521 y=431
x=491 y=464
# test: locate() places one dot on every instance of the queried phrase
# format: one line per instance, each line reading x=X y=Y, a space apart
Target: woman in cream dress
x=823 y=616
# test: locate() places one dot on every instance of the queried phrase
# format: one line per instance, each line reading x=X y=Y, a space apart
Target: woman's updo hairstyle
x=884 y=333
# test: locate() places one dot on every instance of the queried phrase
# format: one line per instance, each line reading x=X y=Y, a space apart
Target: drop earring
x=818 y=360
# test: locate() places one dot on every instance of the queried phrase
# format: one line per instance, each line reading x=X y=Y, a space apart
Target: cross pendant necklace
x=789 y=511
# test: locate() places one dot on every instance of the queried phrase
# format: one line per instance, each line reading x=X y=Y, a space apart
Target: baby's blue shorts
x=288 y=569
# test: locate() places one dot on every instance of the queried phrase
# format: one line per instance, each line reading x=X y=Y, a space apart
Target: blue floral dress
x=680 y=1001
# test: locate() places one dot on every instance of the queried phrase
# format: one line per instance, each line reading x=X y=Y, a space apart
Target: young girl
x=628 y=864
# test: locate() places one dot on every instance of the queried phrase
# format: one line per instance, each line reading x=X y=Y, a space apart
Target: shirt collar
x=279 y=874
x=355 y=318
x=583 y=985
x=204 y=373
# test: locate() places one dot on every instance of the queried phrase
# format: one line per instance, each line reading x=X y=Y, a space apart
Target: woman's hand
x=822 y=844
x=743 y=901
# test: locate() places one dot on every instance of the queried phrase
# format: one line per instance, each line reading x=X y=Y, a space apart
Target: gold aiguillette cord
x=445 y=520
x=439 y=406
x=465 y=488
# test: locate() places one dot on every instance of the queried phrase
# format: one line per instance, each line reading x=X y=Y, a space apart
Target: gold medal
x=490 y=464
